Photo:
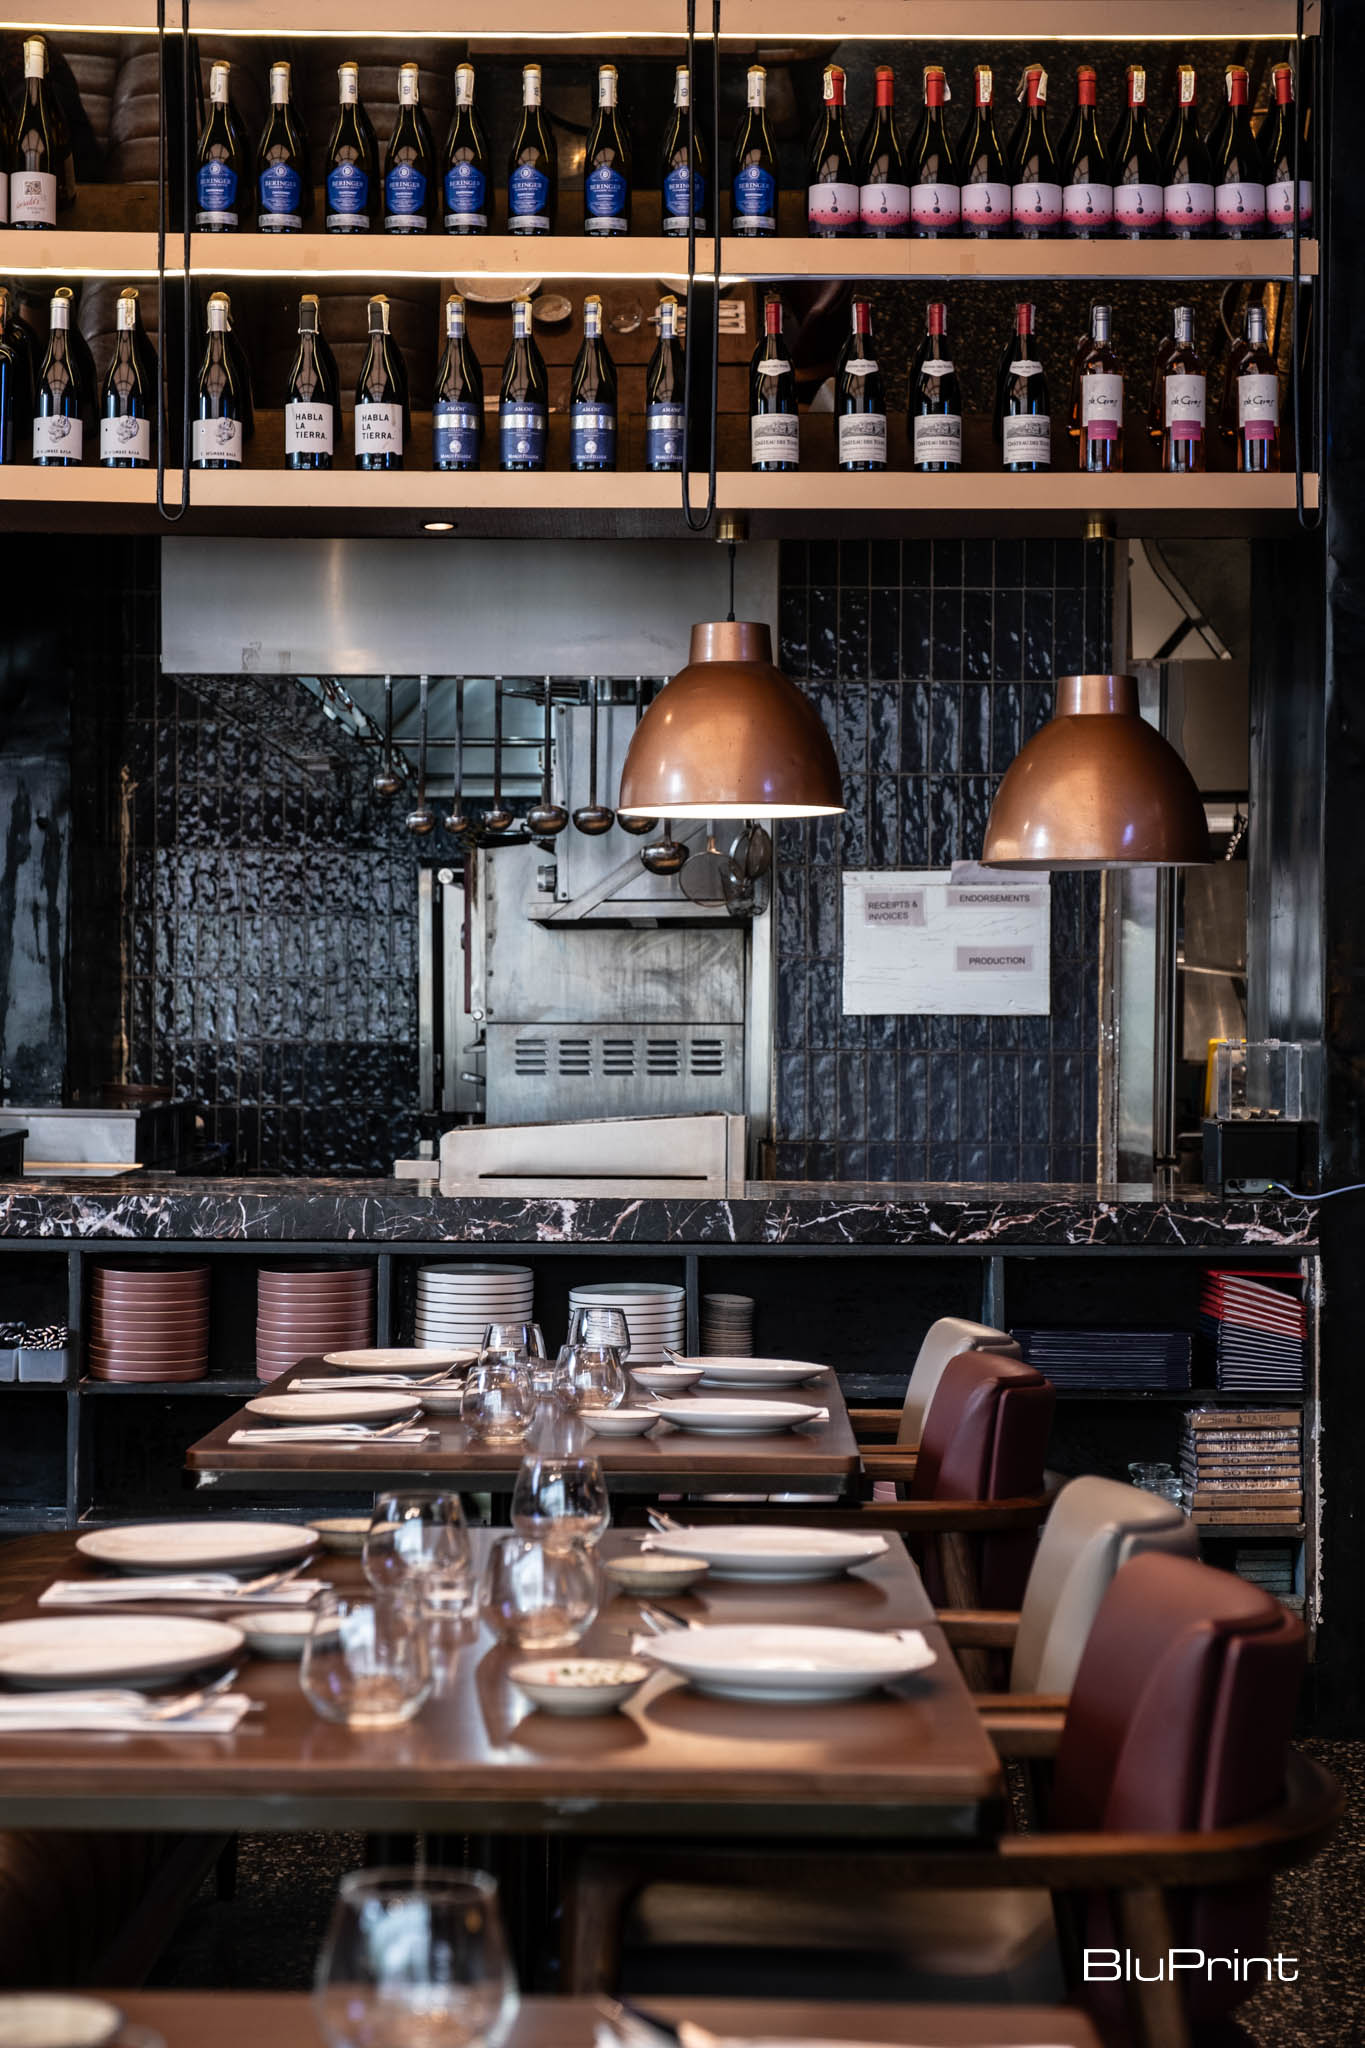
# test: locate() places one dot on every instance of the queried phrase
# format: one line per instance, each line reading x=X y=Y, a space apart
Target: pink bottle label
x=1240 y=206
x=1187 y=430
x=936 y=206
x=1258 y=430
x=1139 y=206
x=884 y=206
x=1188 y=206
x=1088 y=207
x=832 y=207
x=1037 y=206
x=1279 y=203
x=986 y=206
x=1102 y=430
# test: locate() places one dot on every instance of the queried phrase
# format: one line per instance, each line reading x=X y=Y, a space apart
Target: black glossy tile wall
x=930 y=664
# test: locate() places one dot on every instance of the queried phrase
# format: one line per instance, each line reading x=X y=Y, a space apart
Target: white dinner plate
x=718 y=1371
x=759 y=1550
x=465 y=1269
x=111 y=1649
x=396 y=1360
x=787 y=1665
x=56 y=2019
x=332 y=1407
x=720 y=1417
x=205 y=1544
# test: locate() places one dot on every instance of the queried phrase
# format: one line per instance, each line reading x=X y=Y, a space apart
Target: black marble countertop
x=169 y=1209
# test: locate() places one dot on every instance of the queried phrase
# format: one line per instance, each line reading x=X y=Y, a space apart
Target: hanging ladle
x=387 y=781
x=457 y=822
x=423 y=819
x=667 y=855
x=497 y=817
x=632 y=821
x=593 y=818
x=545 y=819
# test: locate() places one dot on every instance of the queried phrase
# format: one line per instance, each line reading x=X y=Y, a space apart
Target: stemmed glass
x=537 y=1598
x=417 y=1550
x=561 y=1500
x=415 y=1959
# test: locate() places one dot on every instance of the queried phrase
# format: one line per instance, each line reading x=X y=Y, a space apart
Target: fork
x=663 y=1620
x=271 y=1580
x=187 y=1703
x=664 y=1524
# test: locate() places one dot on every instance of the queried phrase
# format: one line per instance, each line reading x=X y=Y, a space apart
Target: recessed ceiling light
x=438 y=526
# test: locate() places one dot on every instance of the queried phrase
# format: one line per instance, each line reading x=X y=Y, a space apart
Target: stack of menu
x=1243 y=1466
x=1137 y=1360
x=1272 y=1566
x=1255 y=1322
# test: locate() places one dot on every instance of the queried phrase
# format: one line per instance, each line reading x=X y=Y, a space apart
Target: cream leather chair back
x=943 y=1340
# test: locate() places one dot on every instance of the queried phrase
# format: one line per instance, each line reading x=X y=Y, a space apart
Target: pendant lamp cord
x=694 y=524
x=172 y=518
x=731 y=613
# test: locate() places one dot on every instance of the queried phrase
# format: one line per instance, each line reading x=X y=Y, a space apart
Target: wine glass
x=415 y=1959
x=561 y=1500
x=589 y=1373
x=499 y=1399
x=601 y=1326
x=417 y=1548
x=365 y=1663
x=537 y=1598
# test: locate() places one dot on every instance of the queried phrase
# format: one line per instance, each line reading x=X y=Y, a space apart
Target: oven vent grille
x=708 y=1056
x=531 y=1056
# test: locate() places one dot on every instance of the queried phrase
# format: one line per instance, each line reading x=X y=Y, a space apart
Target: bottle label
x=1279 y=202
x=217 y=194
x=307 y=427
x=528 y=197
x=1185 y=406
x=675 y=201
x=521 y=435
x=936 y=366
x=831 y=209
x=281 y=190
x=664 y=435
x=986 y=205
x=754 y=195
x=125 y=440
x=455 y=428
x=1240 y=206
x=862 y=437
x=1027 y=437
x=466 y=196
x=860 y=366
x=216 y=441
x=1102 y=405
x=33 y=198
x=378 y=427
x=592 y=435
x=773 y=366
x=936 y=206
x=1036 y=206
x=938 y=437
x=60 y=435
x=1258 y=404
x=882 y=208
x=775 y=437
x=1027 y=366
x=348 y=197
x=1088 y=208
x=604 y=193
x=1188 y=206
x=405 y=197
x=1140 y=207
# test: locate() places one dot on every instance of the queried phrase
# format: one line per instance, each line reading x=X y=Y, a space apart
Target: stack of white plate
x=456 y=1303
x=727 y=1325
x=655 y=1313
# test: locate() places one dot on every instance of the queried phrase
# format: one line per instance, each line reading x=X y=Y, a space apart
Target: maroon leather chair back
x=985 y=1437
x=1180 y=1718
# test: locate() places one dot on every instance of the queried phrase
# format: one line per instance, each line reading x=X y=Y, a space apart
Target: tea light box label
x=964 y=941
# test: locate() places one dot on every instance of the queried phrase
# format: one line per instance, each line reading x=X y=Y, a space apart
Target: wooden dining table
x=908 y=1761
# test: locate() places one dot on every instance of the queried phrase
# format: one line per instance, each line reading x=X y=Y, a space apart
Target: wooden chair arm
x=1029 y=1734
x=875 y=1422
x=1021 y=1702
x=979 y=1628
x=889 y=1461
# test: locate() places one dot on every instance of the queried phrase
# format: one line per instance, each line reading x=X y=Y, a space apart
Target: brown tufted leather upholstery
x=985 y=1438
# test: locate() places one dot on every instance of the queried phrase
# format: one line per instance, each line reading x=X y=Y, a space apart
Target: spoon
x=545 y=819
x=386 y=781
x=593 y=818
x=632 y=821
x=497 y=817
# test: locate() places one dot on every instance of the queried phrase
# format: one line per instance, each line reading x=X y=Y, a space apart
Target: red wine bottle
x=981 y=162
x=935 y=181
x=832 y=177
x=1139 y=181
x=1100 y=439
x=1238 y=169
x=884 y=189
x=774 y=424
x=1256 y=399
x=1184 y=399
x=1035 y=179
x=935 y=400
x=1277 y=149
x=1187 y=199
x=1087 y=175
x=859 y=399
x=1025 y=424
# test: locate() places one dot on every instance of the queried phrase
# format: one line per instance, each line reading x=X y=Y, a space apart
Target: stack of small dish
x=727 y=1325
x=655 y=1313
x=456 y=1303
x=149 y=1323
x=302 y=1312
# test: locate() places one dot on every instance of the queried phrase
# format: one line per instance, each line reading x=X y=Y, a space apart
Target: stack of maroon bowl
x=302 y=1311
x=149 y=1322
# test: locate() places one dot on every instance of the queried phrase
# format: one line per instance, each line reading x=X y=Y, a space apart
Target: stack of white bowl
x=655 y=1313
x=457 y=1302
x=727 y=1326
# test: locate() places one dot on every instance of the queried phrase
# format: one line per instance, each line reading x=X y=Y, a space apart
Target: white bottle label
x=1184 y=406
x=774 y=437
x=986 y=206
x=1188 y=206
x=1279 y=202
x=33 y=198
x=774 y=366
x=60 y=436
x=935 y=366
x=938 y=437
x=1027 y=438
x=217 y=441
x=1101 y=405
x=936 y=206
x=832 y=209
x=1140 y=206
x=1240 y=206
x=307 y=427
x=1036 y=206
x=379 y=429
x=862 y=437
x=125 y=439
x=1027 y=366
x=1088 y=208
x=1258 y=404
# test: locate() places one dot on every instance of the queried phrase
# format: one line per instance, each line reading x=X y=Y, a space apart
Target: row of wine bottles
x=64 y=396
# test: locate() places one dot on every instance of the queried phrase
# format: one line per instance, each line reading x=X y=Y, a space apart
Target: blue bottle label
x=664 y=435
x=466 y=191
x=755 y=196
x=675 y=201
x=405 y=193
x=521 y=436
x=348 y=196
x=528 y=196
x=592 y=436
x=455 y=429
x=604 y=192
x=281 y=190
x=217 y=194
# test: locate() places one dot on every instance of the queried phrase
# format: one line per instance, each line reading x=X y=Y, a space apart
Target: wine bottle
x=37 y=148
x=464 y=177
x=1101 y=399
x=219 y=198
x=1238 y=168
x=58 y=428
x=1088 y=176
x=128 y=402
x=1156 y=421
x=592 y=395
x=753 y=178
x=985 y=173
x=457 y=405
x=1139 y=179
x=935 y=400
x=352 y=160
x=1183 y=398
x=532 y=171
x=1187 y=199
x=1256 y=399
x=312 y=395
x=606 y=166
x=523 y=402
x=88 y=379
x=774 y=423
x=217 y=429
x=1025 y=425
x=674 y=182
x=381 y=396
x=859 y=398
x=665 y=421
x=18 y=339
x=1277 y=150
x=883 y=190
x=832 y=175
x=281 y=163
x=935 y=180
x=1035 y=179
x=409 y=163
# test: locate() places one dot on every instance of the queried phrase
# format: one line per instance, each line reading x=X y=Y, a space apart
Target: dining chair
x=946 y=1338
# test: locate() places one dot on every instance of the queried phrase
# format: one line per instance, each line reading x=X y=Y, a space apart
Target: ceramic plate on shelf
x=111 y=1649
x=719 y=1417
x=760 y=1550
x=205 y=1544
x=56 y=2019
x=788 y=1665
x=397 y=1360
x=332 y=1407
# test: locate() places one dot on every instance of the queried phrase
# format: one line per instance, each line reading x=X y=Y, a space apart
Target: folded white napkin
x=115 y=1713
x=203 y=1587
x=330 y=1433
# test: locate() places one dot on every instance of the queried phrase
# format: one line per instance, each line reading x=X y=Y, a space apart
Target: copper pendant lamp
x=1097 y=788
x=731 y=737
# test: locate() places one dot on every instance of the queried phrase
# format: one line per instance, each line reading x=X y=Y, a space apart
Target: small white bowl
x=343 y=1533
x=278 y=1632
x=667 y=1379
x=443 y=1400
x=619 y=1421
x=654 y=1571
x=579 y=1685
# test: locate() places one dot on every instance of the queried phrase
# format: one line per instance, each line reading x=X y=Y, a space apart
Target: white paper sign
x=964 y=941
